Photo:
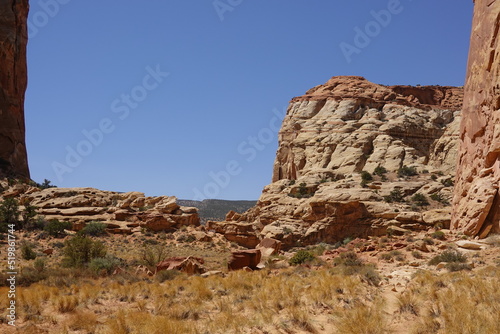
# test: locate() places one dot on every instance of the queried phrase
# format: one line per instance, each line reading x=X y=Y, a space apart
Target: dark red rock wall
x=13 y=81
x=476 y=203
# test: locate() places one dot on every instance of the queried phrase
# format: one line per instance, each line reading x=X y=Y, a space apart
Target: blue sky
x=184 y=97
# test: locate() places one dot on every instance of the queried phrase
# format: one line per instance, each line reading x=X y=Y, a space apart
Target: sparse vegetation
x=447 y=182
x=380 y=171
x=94 y=229
x=56 y=228
x=395 y=196
x=420 y=199
x=80 y=250
x=449 y=256
x=9 y=213
x=406 y=171
x=438 y=235
x=302 y=256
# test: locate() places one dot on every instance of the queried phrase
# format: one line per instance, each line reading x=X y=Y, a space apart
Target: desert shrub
x=366 y=176
x=167 y=275
x=393 y=254
x=152 y=255
x=9 y=213
x=56 y=228
x=428 y=241
x=348 y=259
x=394 y=196
x=348 y=263
x=80 y=250
x=105 y=265
x=30 y=275
x=29 y=213
x=456 y=266
x=45 y=184
x=27 y=251
x=417 y=255
x=188 y=238
x=420 y=199
x=39 y=264
x=94 y=229
x=434 y=177
x=448 y=256
x=291 y=183
x=438 y=235
x=447 y=182
x=407 y=171
x=439 y=198
x=302 y=256
x=380 y=170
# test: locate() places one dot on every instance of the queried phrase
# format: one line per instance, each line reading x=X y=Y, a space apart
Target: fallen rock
x=245 y=258
x=466 y=244
x=189 y=265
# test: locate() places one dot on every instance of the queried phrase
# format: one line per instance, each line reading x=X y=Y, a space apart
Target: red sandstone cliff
x=13 y=81
x=476 y=201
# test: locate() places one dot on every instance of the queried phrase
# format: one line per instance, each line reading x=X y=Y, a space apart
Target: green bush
x=447 y=183
x=56 y=228
x=438 y=235
x=39 y=265
x=449 y=256
x=94 y=229
x=27 y=251
x=348 y=259
x=407 y=171
x=104 y=265
x=365 y=176
x=394 y=196
x=45 y=184
x=380 y=170
x=302 y=256
x=152 y=255
x=420 y=199
x=29 y=213
x=9 y=213
x=80 y=250
x=439 y=198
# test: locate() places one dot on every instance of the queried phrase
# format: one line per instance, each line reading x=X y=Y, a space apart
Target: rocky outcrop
x=351 y=156
x=122 y=212
x=13 y=81
x=476 y=204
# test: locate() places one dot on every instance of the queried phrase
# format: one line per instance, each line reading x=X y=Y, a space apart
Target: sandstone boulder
x=189 y=265
x=246 y=258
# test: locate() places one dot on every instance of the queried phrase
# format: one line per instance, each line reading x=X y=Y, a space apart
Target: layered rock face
x=13 y=81
x=476 y=204
x=339 y=130
x=123 y=213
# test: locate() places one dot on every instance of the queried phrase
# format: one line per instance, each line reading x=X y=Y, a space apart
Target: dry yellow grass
x=288 y=300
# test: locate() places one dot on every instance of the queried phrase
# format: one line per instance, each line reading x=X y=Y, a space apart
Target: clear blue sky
x=98 y=69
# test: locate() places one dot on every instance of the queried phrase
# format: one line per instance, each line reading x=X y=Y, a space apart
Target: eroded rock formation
x=339 y=130
x=477 y=199
x=13 y=81
x=123 y=213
